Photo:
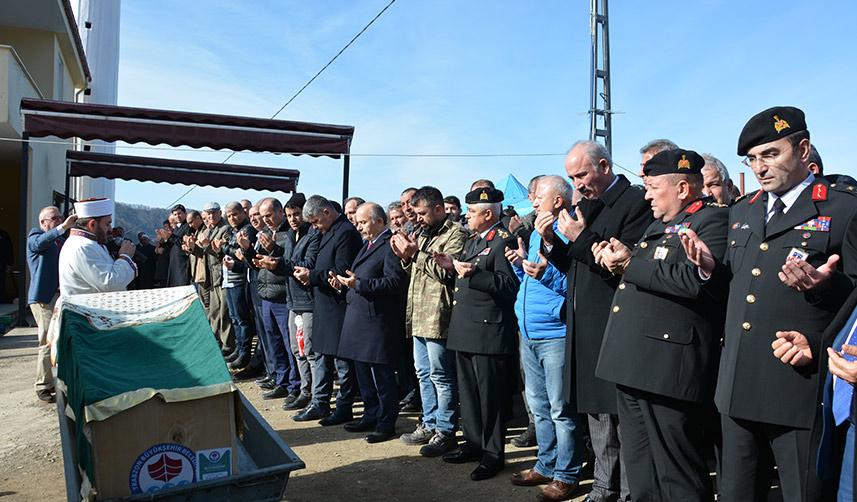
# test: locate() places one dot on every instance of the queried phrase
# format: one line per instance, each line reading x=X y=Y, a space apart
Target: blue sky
x=486 y=77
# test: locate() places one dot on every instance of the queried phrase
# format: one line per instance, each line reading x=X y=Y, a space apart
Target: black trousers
x=485 y=396
x=380 y=394
x=664 y=448
x=750 y=450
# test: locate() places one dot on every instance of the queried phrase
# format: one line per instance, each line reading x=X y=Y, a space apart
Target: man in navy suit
x=43 y=254
x=374 y=326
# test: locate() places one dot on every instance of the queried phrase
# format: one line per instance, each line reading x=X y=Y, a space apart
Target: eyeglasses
x=765 y=159
x=53 y=218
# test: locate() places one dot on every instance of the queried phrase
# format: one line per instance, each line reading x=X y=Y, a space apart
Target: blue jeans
x=559 y=432
x=239 y=313
x=435 y=368
x=275 y=316
x=846 y=475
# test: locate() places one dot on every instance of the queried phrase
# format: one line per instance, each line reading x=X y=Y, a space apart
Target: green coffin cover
x=117 y=350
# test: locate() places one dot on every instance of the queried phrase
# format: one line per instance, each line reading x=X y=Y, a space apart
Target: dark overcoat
x=336 y=252
x=374 y=327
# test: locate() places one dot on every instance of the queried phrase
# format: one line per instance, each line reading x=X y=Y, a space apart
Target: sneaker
x=421 y=435
x=439 y=444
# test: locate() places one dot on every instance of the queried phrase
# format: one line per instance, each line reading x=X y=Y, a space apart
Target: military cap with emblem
x=484 y=195
x=674 y=162
x=770 y=125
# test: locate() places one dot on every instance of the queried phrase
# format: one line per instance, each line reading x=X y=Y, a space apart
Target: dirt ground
x=340 y=465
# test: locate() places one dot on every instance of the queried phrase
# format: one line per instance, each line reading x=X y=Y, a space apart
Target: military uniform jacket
x=663 y=335
x=336 y=252
x=752 y=384
x=623 y=213
x=483 y=312
x=429 y=304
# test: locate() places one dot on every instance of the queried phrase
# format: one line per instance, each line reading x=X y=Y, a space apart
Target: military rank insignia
x=684 y=163
x=675 y=229
x=820 y=224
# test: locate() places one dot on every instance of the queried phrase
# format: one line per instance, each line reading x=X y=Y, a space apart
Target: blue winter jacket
x=540 y=305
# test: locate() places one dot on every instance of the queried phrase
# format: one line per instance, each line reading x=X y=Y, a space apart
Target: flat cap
x=674 y=162
x=770 y=125
x=211 y=206
x=484 y=195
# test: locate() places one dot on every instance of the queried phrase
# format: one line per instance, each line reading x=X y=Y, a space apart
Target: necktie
x=779 y=213
x=369 y=246
x=842 y=390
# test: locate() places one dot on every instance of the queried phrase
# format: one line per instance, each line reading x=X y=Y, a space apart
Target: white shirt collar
x=372 y=242
x=483 y=234
x=615 y=179
x=789 y=197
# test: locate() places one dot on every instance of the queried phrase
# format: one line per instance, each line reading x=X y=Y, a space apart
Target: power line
x=307 y=84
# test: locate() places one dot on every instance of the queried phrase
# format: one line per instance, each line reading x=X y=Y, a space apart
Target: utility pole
x=599 y=106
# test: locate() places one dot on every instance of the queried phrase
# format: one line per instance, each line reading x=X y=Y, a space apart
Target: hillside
x=138 y=218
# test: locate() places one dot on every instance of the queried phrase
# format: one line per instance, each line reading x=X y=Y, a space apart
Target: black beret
x=770 y=125
x=297 y=200
x=484 y=195
x=674 y=162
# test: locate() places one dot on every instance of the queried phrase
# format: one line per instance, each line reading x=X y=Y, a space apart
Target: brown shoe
x=557 y=490
x=529 y=478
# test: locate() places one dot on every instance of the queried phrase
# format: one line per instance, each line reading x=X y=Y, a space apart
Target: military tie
x=779 y=214
x=842 y=390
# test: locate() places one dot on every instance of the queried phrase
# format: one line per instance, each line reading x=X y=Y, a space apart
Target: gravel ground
x=340 y=465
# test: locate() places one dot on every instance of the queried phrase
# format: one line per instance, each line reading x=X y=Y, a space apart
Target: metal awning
x=185 y=172
x=177 y=128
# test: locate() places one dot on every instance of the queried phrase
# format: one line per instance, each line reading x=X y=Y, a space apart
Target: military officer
x=662 y=339
x=790 y=263
x=483 y=333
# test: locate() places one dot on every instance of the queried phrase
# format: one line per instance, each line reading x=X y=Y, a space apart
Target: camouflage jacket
x=430 y=291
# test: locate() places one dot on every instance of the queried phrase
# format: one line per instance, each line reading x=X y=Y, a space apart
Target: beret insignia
x=780 y=124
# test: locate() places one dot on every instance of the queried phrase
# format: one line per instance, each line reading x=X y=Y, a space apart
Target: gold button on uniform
x=763 y=246
x=746 y=326
x=622 y=285
x=616 y=308
x=803 y=244
x=756 y=272
x=456 y=290
x=666 y=336
x=644 y=245
x=732 y=243
x=455 y=302
x=751 y=299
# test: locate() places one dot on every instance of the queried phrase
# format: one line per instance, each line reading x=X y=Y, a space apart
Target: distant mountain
x=136 y=218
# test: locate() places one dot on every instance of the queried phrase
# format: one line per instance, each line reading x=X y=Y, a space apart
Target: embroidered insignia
x=820 y=224
x=684 y=163
x=755 y=197
x=483 y=196
x=696 y=206
x=484 y=252
x=806 y=235
x=780 y=124
x=819 y=192
x=675 y=229
x=491 y=235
